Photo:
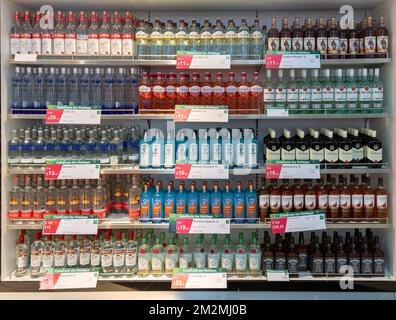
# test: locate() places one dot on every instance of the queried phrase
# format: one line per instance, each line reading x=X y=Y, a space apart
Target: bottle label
x=216 y=205
x=292 y=94
x=48 y=259
x=288 y=155
x=302 y=154
x=218 y=90
x=365 y=94
x=343 y=46
x=272 y=155
x=353 y=45
x=59 y=45
x=200 y=260
x=218 y=35
x=323 y=201
x=264 y=201
x=340 y=94
x=22 y=260
x=369 y=201
x=341 y=261
x=35 y=259
x=269 y=95
x=130 y=258
x=192 y=206
x=185 y=260
x=280 y=264
x=239 y=207
x=170 y=262
x=357 y=201
x=317 y=265
x=193 y=152
x=321 y=44
x=280 y=95
x=181 y=35
x=298 y=201
x=95 y=258
x=329 y=265
x=379 y=266
x=144 y=207
x=303 y=258
x=268 y=263
x=144 y=155
x=345 y=201
x=156 y=155
x=382 y=44
x=273 y=44
x=331 y=156
x=243 y=90
x=157 y=207
x=93 y=44
x=204 y=205
x=287 y=202
x=374 y=155
x=70 y=44
x=240 y=156
x=26 y=44
x=143 y=263
x=309 y=43
x=104 y=44
x=292 y=265
x=378 y=93
x=316 y=154
x=213 y=260
x=243 y=34
x=254 y=261
x=82 y=44
x=352 y=94
x=240 y=262
x=367 y=266
x=304 y=94
x=275 y=202
x=357 y=153
x=316 y=94
x=310 y=201
x=328 y=94
x=216 y=152
x=157 y=262
x=36 y=44
x=15 y=44
x=227 y=207
x=334 y=201
x=169 y=155
x=370 y=44
x=207 y=35
x=297 y=44
x=192 y=35
x=382 y=201
x=60 y=258
x=116 y=44
x=355 y=264
x=345 y=155
x=141 y=35
x=229 y=34
x=333 y=45
x=228 y=153
x=128 y=45
x=106 y=258
x=226 y=261
x=85 y=257
x=286 y=44
x=251 y=206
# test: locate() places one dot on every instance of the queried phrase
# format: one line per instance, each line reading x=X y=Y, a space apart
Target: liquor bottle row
x=145 y=254
x=338 y=147
x=237 y=149
x=368 y=39
x=31 y=197
x=334 y=91
x=160 y=93
x=342 y=202
x=109 y=145
x=359 y=256
x=240 y=205
x=114 y=90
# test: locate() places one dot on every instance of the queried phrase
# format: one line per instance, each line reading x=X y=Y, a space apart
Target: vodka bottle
x=142 y=39
x=21 y=254
x=115 y=36
x=36 y=256
x=106 y=252
x=194 y=40
x=93 y=35
x=60 y=252
x=108 y=91
x=99 y=200
x=78 y=146
x=27 y=89
x=48 y=253
x=46 y=38
x=128 y=37
x=14 y=149
x=116 y=148
x=86 y=199
x=85 y=88
x=103 y=149
x=36 y=35
x=15 y=199
x=59 y=35
x=51 y=88
x=95 y=252
x=52 y=147
x=91 y=146
x=119 y=90
x=39 y=90
x=377 y=93
x=61 y=87
x=65 y=146
x=73 y=252
x=15 y=36
x=39 y=149
x=243 y=39
x=96 y=88
x=131 y=254
x=85 y=252
x=26 y=149
x=62 y=199
x=182 y=36
x=26 y=35
x=73 y=85
x=119 y=254
x=131 y=88
x=104 y=36
x=17 y=89
x=82 y=35
x=70 y=36
x=51 y=199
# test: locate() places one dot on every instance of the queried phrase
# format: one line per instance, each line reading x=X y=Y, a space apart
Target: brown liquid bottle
x=368 y=201
x=354 y=259
x=297 y=36
x=322 y=197
x=280 y=256
x=333 y=40
x=353 y=42
x=275 y=198
x=302 y=253
x=285 y=36
x=309 y=36
x=334 y=203
x=310 y=197
x=287 y=198
x=321 y=38
x=357 y=201
x=370 y=40
x=366 y=259
x=381 y=202
x=345 y=203
x=329 y=259
x=298 y=196
x=273 y=37
x=263 y=196
x=343 y=33
x=341 y=257
x=378 y=258
x=292 y=259
x=316 y=259
x=382 y=39
x=268 y=261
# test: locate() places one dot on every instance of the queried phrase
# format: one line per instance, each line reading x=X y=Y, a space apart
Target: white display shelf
x=230 y=117
x=130 y=61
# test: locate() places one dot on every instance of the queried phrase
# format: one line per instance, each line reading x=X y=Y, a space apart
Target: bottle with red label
x=243 y=98
x=231 y=91
x=36 y=34
x=59 y=35
x=194 y=90
x=115 y=36
x=321 y=38
x=273 y=37
x=145 y=93
x=159 y=94
x=170 y=91
x=256 y=94
x=70 y=36
x=82 y=35
x=93 y=35
x=26 y=35
x=182 y=88
x=297 y=36
x=207 y=90
x=104 y=36
x=218 y=90
x=309 y=36
x=128 y=37
x=15 y=36
x=285 y=36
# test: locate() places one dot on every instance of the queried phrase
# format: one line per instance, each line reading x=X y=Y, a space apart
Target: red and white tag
x=198 y=280
x=71 y=115
x=190 y=113
x=293 y=60
x=70 y=224
x=202 y=226
x=201 y=171
x=203 y=61
x=69 y=279
x=292 y=170
x=72 y=170
x=298 y=221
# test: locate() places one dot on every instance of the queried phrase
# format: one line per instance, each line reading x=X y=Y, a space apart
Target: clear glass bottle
x=21 y=254
x=131 y=254
x=241 y=260
x=27 y=199
x=85 y=252
x=36 y=256
x=254 y=257
x=106 y=253
x=213 y=256
x=144 y=258
x=15 y=199
x=48 y=253
x=119 y=254
x=96 y=252
x=73 y=252
x=14 y=149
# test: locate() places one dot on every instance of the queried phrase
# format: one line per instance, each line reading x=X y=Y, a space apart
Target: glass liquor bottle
x=75 y=203
x=302 y=253
x=85 y=252
x=185 y=255
x=378 y=258
x=93 y=35
x=73 y=252
x=241 y=257
x=377 y=93
x=227 y=256
x=381 y=202
x=304 y=93
x=95 y=251
x=182 y=36
x=116 y=36
x=334 y=202
x=36 y=256
x=119 y=254
x=213 y=255
x=273 y=37
x=268 y=261
x=26 y=35
x=309 y=36
x=60 y=252
x=82 y=35
x=62 y=199
x=256 y=43
x=293 y=261
x=321 y=38
x=340 y=93
x=280 y=259
x=333 y=40
x=70 y=36
x=322 y=196
x=316 y=151
x=26 y=149
x=59 y=35
x=354 y=259
x=310 y=197
x=301 y=146
x=352 y=92
x=285 y=36
x=21 y=254
x=254 y=257
x=15 y=199
x=218 y=38
x=381 y=33
x=27 y=199
x=269 y=91
x=171 y=257
x=316 y=92
x=263 y=196
x=86 y=199
x=243 y=39
x=134 y=200
x=366 y=259
x=370 y=40
x=106 y=253
x=316 y=259
x=15 y=36
x=128 y=36
x=144 y=258
x=292 y=92
x=297 y=36
x=280 y=91
x=131 y=254
x=329 y=261
x=104 y=35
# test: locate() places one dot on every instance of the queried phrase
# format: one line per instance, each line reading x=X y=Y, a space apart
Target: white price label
x=201 y=171
x=277 y=275
x=190 y=113
x=70 y=225
x=277 y=112
x=69 y=279
x=215 y=280
x=25 y=57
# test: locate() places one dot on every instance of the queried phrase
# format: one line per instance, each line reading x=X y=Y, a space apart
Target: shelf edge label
x=71 y=169
x=292 y=170
x=197 y=113
x=72 y=115
x=201 y=171
x=69 y=279
x=298 y=221
x=292 y=60
x=202 y=61
x=199 y=279
x=70 y=224
x=203 y=225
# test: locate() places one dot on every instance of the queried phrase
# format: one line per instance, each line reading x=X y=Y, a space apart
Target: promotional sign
x=201 y=171
x=70 y=224
x=71 y=169
x=292 y=60
x=190 y=113
x=72 y=115
x=197 y=60
x=69 y=279
x=277 y=111
x=298 y=221
x=199 y=279
x=292 y=169
x=202 y=226
x=277 y=275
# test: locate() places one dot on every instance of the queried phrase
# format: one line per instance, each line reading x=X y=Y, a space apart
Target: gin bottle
x=199 y=254
x=157 y=258
x=21 y=253
x=144 y=258
x=213 y=253
x=36 y=256
x=171 y=257
x=254 y=257
x=218 y=38
x=185 y=255
x=227 y=256
x=241 y=260
x=72 y=252
x=26 y=149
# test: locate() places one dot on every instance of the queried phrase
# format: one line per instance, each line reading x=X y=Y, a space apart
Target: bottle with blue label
x=239 y=204
x=145 y=204
x=157 y=151
x=192 y=149
x=251 y=204
x=169 y=150
x=216 y=201
x=228 y=202
x=251 y=149
x=193 y=199
x=181 y=199
x=169 y=201
x=239 y=149
x=157 y=204
x=204 y=200
x=203 y=146
x=145 y=151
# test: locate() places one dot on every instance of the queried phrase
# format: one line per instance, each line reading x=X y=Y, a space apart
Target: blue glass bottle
x=91 y=147
x=239 y=204
x=228 y=202
x=52 y=146
x=65 y=146
x=193 y=199
x=96 y=88
x=251 y=204
x=157 y=205
x=181 y=199
x=145 y=204
x=131 y=85
x=216 y=200
x=16 y=100
x=204 y=200
x=169 y=201
x=77 y=146
x=39 y=92
x=27 y=90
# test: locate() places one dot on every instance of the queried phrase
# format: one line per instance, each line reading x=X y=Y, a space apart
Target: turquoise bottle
x=181 y=199
x=145 y=204
x=228 y=202
x=251 y=204
x=157 y=204
x=239 y=204
x=216 y=200
x=169 y=201
x=204 y=200
x=145 y=152
x=193 y=199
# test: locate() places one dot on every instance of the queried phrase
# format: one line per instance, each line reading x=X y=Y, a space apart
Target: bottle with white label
x=304 y=93
x=251 y=148
x=104 y=35
x=327 y=92
x=203 y=147
x=316 y=93
x=169 y=150
x=95 y=252
x=340 y=94
x=106 y=254
x=227 y=256
x=36 y=256
x=70 y=36
x=85 y=252
x=301 y=146
x=185 y=255
x=288 y=151
x=157 y=152
x=59 y=35
x=280 y=91
x=241 y=260
x=377 y=93
x=215 y=149
x=119 y=254
x=316 y=151
x=144 y=258
x=227 y=149
x=365 y=92
x=213 y=254
x=269 y=91
x=72 y=252
x=199 y=254
x=192 y=149
x=272 y=146
x=171 y=257
x=292 y=92
x=240 y=152
x=48 y=253
x=145 y=151
x=22 y=254
x=131 y=254
x=352 y=92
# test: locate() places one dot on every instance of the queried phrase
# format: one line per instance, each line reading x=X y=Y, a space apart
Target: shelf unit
x=380 y=121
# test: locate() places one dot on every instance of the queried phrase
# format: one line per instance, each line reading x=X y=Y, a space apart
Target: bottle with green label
x=327 y=92
x=213 y=253
x=241 y=261
x=292 y=93
x=254 y=257
x=171 y=257
x=352 y=92
x=227 y=256
x=304 y=93
x=316 y=93
x=340 y=94
x=365 y=92
x=378 y=93
x=185 y=255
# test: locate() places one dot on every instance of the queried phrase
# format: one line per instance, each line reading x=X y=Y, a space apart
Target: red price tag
x=49 y=280
x=53 y=116
x=278 y=225
x=50 y=226
x=273 y=61
x=182 y=170
x=183 y=225
x=183 y=61
x=181 y=114
x=273 y=170
x=52 y=171
x=179 y=280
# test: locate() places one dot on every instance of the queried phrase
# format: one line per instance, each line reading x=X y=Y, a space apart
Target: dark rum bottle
x=333 y=40
x=273 y=36
x=370 y=40
x=321 y=38
x=353 y=42
x=285 y=36
x=309 y=36
x=297 y=37
x=382 y=39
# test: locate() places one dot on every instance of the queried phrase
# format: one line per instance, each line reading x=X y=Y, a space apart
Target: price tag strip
x=189 y=225
x=201 y=171
x=56 y=279
x=199 y=279
x=71 y=169
x=277 y=275
x=292 y=170
x=193 y=113
x=190 y=60
x=277 y=111
x=70 y=224
x=292 y=60
x=25 y=57
x=72 y=115
x=298 y=221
